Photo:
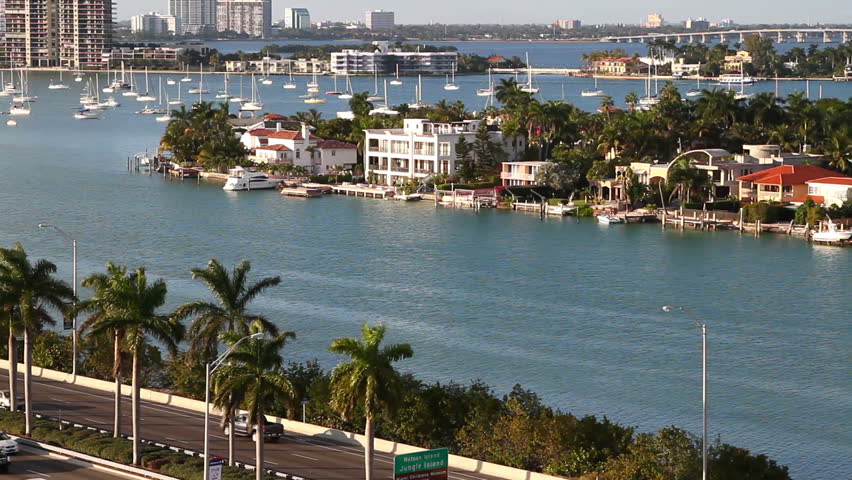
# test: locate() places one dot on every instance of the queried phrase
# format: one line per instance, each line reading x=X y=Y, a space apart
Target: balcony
x=517 y=176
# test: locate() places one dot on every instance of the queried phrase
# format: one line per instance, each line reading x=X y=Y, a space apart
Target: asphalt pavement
x=33 y=464
x=304 y=456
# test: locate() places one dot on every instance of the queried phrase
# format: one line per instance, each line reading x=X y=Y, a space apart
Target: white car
x=5 y=400
x=8 y=445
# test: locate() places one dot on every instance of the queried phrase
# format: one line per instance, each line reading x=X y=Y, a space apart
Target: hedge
x=767 y=213
x=107 y=447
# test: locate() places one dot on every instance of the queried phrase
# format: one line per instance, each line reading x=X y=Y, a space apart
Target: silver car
x=8 y=445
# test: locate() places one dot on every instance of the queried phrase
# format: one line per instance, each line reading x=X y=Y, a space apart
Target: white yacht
x=240 y=178
x=85 y=114
x=735 y=79
x=610 y=219
x=829 y=232
x=20 y=109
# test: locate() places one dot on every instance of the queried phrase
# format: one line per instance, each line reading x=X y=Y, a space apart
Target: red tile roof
x=277 y=148
x=815 y=198
x=788 y=175
x=274 y=116
x=334 y=144
x=291 y=135
x=260 y=132
x=838 y=180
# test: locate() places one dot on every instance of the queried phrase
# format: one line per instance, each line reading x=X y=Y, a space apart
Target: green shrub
x=766 y=212
x=585 y=211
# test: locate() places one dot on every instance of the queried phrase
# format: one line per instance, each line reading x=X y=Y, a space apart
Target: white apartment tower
x=155 y=23
x=379 y=20
x=297 y=18
x=250 y=17
x=195 y=16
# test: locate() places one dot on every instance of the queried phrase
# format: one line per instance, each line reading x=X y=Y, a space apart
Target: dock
x=303 y=192
x=362 y=191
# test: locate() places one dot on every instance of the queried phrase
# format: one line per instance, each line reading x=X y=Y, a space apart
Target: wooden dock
x=362 y=191
x=303 y=192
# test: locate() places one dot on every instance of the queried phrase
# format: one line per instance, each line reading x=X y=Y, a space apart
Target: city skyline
x=608 y=11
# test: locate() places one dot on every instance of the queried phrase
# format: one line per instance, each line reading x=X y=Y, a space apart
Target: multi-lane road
x=33 y=464
x=303 y=456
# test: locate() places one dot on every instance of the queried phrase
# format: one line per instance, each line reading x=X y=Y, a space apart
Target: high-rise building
x=699 y=23
x=655 y=20
x=379 y=20
x=155 y=23
x=249 y=17
x=72 y=33
x=298 y=18
x=568 y=24
x=195 y=16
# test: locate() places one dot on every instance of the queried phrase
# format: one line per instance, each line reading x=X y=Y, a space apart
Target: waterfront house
x=618 y=66
x=277 y=146
x=784 y=183
x=828 y=191
x=734 y=63
x=384 y=62
x=520 y=174
x=422 y=148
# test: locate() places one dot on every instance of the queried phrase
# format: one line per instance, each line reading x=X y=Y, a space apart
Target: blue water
x=568 y=308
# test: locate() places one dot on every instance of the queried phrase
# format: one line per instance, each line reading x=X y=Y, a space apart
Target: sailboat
x=375 y=97
x=57 y=85
x=254 y=104
x=384 y=109
x=290 y=85
x=78 y=77
x=741 y=95
x=451 y=85
x=169 y=81
x=167 y=115
x=313 y=85
x=648 y=101
x=186 y=78
x=85 y=114
x=593 y=93
x=396 y=80
x=146 y=97
x=335 y=91
x=266 y=80
x=132 y=91
x=24 y=95
x=486 y=92
x=240 y=98
x=696 y=92
x=528 y=87
x=348 y=93
x=418 y=95
x=223 y=94
x=176 y=101
x=200 y=88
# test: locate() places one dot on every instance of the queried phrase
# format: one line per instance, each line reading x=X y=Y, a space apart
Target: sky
x=545 y=11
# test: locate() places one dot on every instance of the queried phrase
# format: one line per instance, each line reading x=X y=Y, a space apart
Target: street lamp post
x=702 y=327
x=210 y=368
x=74 y=288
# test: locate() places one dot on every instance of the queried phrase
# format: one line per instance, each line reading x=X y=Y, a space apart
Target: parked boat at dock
x=240 y=178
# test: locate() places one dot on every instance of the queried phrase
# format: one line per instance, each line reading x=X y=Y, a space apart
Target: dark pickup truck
x=271 y=431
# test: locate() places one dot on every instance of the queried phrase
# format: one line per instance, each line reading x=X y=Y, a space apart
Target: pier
x=362 y=191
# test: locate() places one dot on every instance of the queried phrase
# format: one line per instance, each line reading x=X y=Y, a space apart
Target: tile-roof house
x=784 y=183
x=835 y=190
x=299 y=147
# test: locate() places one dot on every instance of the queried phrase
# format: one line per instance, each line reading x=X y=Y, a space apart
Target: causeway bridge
x=779 y=35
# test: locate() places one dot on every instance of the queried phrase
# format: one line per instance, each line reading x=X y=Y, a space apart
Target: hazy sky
x=545 y=11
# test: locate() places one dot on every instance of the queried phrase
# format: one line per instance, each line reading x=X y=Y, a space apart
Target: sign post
x=214 y=471
x=425 y=465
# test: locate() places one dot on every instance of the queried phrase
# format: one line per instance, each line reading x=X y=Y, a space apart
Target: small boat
x=12 y=122
x=735 y=79
x=151 y=111
x=78 y=77
x=223 y=94
x=407 y=197
x=57 y=85
x=186 y=78
x=451 y=84
x=335 y=91
x=696 y=92
x=253 y=105
x=375 y=97
x=169 y=81
x=110 y=102
x=593 y=93
x=146 y=97
x=85 y=114
x=299 y=191
x=528 y=87
x=829 y=232
x=396 y=81
x=610 y=219
x=164 y=118
x=20 y=109
x=489 y=91
x=289 y=85
x=240 y=178
x=314 y=100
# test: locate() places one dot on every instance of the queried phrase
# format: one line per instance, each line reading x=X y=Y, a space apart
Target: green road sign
x=426 y=465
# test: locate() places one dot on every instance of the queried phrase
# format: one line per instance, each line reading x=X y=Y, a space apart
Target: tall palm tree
x=31 y=289
x=126 y=307
x=254 y=379
x=368 y=381
x=229 y=313
x=9 y=316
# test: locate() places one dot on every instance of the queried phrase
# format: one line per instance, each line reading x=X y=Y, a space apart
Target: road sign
x=426 y=465
x=215 y=468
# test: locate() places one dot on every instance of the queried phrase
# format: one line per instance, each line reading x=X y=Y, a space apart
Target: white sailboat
x=290 y=84
x=742 y=95
x=200 y=88
x=396 y=80
x=489 y=91
x=347 y=94
x=20 y=109
x=593 y=93
x=529 y=87
x=132 y=91
x=78 y=77
x=254 y=104
x=57 y=85
x=240 y=98
x=418 y=95
x=24 y=95
x=313 y=85
x=384 y=109
x=266 y=80
x=696 y=92
x=375 y=97
x=85 y=114
x=451 y=85
x=146 y=97
x=186 y=78
x=177 y=101
x=167 y=115
x=170 y=82
x=223 y=94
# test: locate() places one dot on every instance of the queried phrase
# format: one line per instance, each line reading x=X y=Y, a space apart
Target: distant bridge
x=780 y=35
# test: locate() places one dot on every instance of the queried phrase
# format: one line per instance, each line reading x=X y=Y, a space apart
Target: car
x=8 y=445
x=6 y=403
x=271 y=431
x=4 y=462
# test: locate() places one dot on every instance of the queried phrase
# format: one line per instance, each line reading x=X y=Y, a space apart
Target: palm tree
x=125 y=307
x=9 y=315
x=30 y=288
x=254 y=379
x=369 y=381
x=229 y=313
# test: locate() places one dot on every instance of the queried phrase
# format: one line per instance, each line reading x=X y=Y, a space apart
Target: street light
x=215 y=364
x=74 y=287
x=702 y=327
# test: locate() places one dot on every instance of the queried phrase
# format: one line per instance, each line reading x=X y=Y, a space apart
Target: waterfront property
x=784 y=183
x=278 y=146
x=422 y=148
x=829 y=191
x=386 y=61
x=520 y=174
x=619 y=66
x=278 y=66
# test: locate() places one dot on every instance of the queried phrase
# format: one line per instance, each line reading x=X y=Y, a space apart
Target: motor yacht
x=240 y=178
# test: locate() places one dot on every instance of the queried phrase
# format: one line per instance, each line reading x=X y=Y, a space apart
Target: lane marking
x=38 y=473
x=268 y=461
x=94 y=421
x=305 y=456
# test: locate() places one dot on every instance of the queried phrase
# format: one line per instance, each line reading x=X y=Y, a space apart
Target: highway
x=33 y=464
x=302 y=456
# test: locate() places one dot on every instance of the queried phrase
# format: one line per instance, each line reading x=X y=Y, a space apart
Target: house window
x=813 y=190
x=444 y=149
x=298 y=152
x=334 y=153
x=788 y=189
